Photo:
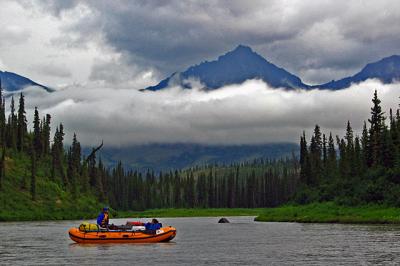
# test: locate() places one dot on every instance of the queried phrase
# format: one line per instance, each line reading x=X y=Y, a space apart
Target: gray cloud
x=119 y=74
x=13 y=35
x=55 y=7
x=53 y=70
x=247 y=113
x=332 y=38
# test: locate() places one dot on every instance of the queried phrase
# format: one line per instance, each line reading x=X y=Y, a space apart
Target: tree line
x=354 y=169
x=262 y=183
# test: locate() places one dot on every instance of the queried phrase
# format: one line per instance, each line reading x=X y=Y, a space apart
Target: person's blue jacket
x=102 y=219
x=151 y=226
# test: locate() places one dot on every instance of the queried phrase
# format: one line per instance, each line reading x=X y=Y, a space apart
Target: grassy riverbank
x=80 y=210
x=331 y=213
x=312 y=213
x=214 y=212
x=41 y=212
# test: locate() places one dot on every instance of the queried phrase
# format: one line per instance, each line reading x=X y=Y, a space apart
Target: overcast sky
x=136 y=43
x=99 y=53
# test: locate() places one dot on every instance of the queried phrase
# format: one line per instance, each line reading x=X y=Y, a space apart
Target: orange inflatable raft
x=164 y=234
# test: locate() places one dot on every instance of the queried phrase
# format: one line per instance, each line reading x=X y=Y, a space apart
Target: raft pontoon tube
x=164 y=234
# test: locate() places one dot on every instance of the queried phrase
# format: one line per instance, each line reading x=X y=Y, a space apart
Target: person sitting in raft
x=153 y=225
x=103 y=218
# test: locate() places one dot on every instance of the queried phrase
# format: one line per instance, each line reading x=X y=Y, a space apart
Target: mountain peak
x=242 y=51
x=393 y=60
x=386 y=70
x=243 y=48
x=234 y=67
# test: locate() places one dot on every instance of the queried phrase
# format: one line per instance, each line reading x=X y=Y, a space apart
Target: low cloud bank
x=249 y=113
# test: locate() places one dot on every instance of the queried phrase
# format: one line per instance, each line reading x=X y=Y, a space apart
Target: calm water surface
x=202 y=241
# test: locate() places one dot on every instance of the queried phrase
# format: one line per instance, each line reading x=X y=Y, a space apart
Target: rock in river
x=223 y=221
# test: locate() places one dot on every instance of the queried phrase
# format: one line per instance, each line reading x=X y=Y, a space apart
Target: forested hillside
x=355 y=169
x=39 y=179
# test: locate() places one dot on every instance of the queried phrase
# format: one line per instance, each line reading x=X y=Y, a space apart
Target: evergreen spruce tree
x=2 y=118
x=349 y=138
x=37 y=136
x=46 y=134
x=21 y=124
x=58 y=155
x=349 y=160
x=332 y=162
x=315 y=156
x=76 y=154
x=365 y=146
x=377 y=122
x=388 y=150
x=358 y=165
x=12 y=126
x=304 y=160
x=343 y=163
x=395 y=136
x=324 y=151
x=60 y=140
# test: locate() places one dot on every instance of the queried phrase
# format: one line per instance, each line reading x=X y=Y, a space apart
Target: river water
x=202 y=241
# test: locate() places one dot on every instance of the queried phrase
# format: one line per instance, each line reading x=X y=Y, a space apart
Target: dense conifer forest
x=355 y=169
x=261 y=183
x=40 y=178
x=65 y=167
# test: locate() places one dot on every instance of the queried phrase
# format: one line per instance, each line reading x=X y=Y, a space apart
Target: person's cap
x=105 y=209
